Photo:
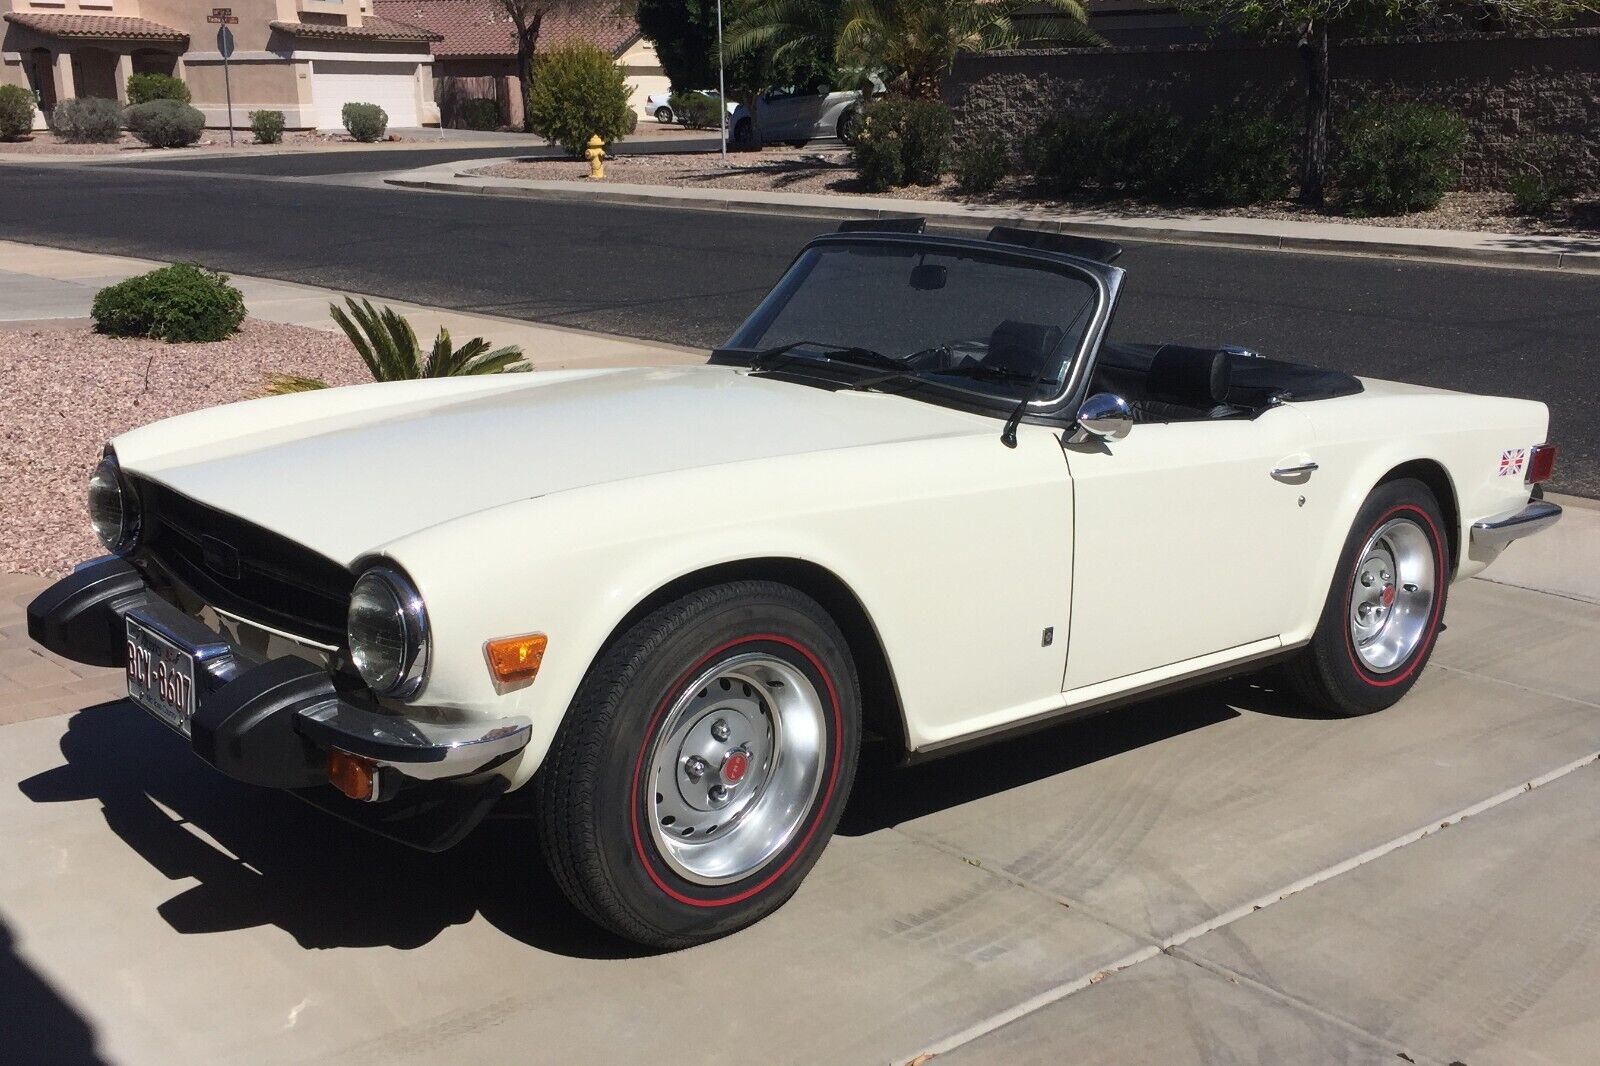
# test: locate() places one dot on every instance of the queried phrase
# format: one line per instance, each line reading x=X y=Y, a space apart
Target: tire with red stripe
x=1385 y=605
x=702 y=765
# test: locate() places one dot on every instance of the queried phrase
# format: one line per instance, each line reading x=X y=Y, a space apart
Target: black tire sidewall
x=645 y=885
x=1351 y=687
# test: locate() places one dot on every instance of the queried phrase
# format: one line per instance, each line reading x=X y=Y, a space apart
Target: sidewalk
x=1343 y=238
x=40 y=284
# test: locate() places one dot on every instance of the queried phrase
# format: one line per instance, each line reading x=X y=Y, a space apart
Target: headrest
x=1021 y=347
x=1190 y=377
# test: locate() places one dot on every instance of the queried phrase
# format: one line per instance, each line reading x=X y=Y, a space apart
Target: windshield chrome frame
x=1105 y=278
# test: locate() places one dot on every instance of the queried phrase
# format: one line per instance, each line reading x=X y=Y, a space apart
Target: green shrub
x=1140 y=153
x=697 y=111
x=142 y=88
x=267 y=126
x=1237 y=158
x=365 y=122
x=1399 y=158
x=16 y=112
x=979 y=162
x=165 y=123
x=480 y=113
x=1538 y=178
x=86 y=120
x=902 y=142
x=1058 y=153
x=176 y=303
x=578 y=92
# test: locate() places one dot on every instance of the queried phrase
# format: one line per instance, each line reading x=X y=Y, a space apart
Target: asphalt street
x=689 y=276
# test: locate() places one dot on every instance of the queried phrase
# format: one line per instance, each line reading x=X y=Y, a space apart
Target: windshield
x=979 y=321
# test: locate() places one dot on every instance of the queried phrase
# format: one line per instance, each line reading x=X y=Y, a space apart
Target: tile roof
x=99 y=27
x=372 y=28
x=481 y=27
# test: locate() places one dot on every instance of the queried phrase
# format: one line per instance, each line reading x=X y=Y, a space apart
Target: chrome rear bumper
x=1495 y=533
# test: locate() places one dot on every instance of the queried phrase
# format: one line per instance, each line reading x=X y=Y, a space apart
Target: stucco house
x=476 y=54
x=306 y=58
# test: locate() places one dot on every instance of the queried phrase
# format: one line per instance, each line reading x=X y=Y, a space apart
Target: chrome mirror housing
x=1106 y=416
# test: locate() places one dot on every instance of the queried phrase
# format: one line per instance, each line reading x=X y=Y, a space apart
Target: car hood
x=346 y=471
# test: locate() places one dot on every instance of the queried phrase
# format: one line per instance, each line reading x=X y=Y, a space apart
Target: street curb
x=960 y=215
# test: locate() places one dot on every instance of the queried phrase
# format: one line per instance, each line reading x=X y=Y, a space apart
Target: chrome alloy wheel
x=1391 y=597
x=735 y=768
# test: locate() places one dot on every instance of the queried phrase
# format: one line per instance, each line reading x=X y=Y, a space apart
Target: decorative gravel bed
x=43 y=142
x=69 y=390
x=829 y=171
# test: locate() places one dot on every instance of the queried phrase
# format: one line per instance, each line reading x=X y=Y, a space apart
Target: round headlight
x=388 y=633
x=111 y=513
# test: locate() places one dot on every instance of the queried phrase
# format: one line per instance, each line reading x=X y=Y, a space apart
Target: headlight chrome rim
x=108 y=489
x=410 y=616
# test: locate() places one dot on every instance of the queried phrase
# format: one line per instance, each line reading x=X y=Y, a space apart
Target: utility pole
x=722 y=86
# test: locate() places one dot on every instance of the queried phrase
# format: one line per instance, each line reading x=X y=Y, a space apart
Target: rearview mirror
x=1106 y=415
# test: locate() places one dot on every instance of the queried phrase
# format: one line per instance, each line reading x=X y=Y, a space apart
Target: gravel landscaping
x=43 y=142
x=69 y=390
x=829 y=171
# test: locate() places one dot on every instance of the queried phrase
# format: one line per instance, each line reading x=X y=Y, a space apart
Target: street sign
x=223 y=15
x=225 y=49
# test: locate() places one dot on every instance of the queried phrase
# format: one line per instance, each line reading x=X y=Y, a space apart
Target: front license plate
x=160 y=676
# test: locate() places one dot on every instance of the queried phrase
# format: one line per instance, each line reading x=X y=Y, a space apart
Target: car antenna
x=1008 y=435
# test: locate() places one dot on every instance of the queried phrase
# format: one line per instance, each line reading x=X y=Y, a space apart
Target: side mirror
x=1106 y=416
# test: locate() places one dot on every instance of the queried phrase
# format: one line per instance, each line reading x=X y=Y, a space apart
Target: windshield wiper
x=772 y=358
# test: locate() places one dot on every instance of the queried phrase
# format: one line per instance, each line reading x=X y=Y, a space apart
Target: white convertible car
x=918 y=495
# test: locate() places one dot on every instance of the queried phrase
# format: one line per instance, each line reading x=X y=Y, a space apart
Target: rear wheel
x=703 y=765
x=663 y=115
x=1382 y=614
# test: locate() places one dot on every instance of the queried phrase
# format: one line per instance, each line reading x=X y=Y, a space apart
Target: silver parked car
x=795 y=114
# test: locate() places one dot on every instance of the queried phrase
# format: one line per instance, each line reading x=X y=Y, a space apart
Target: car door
x=1190 y=539
x=778 y=113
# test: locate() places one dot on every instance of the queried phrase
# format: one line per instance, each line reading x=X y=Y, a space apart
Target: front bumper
x=1493 y=534
x=269 y=722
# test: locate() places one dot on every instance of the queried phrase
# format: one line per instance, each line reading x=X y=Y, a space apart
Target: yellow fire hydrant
x=596 y=154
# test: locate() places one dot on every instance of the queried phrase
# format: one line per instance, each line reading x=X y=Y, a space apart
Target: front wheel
x=744 y=135
x=849 y=128
x=1384 y=608
x=703 y=765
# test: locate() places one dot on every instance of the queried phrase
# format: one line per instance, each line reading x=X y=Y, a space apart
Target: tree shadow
x=262 y=857
x=36 y=1024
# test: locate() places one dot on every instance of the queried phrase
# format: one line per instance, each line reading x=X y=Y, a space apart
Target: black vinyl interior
x=1177 y=383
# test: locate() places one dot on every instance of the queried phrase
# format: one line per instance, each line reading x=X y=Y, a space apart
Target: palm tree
x=785 y=32
x=919 y=39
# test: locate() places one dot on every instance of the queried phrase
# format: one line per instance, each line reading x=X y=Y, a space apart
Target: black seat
x=1021 y=347
x=1185 y=385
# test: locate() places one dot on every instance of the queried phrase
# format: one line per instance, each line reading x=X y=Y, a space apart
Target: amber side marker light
x=515 y=660
x=354 y=776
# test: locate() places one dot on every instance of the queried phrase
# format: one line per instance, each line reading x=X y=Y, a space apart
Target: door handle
x=1301 y=470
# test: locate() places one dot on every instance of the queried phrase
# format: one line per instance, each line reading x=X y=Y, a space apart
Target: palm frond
x=285 y=384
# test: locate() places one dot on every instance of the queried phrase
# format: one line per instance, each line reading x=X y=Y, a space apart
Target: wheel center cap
x=734 y=767
x=1388 y=595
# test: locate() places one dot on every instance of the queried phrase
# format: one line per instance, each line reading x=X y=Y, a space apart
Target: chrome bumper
x=1495 y=533
x=265 y=721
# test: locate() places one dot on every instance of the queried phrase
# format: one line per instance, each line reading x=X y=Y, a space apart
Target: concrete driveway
x=1208 y=878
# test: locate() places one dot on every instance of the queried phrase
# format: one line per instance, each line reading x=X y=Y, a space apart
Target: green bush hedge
x=16 y=112
x=1232 y=157
x=480 y=113
x=1538 y=179
x=902 y=142
x=980 y=161
x=1397 y=158
x=176 y=303
x=87 y=120
x=579 y=92
x=165 y=123
x=142 y=88
x=267 y=125
x=365 y=122
x=697 y=111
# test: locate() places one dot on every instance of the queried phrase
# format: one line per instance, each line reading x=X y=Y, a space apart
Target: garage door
x=392 y=86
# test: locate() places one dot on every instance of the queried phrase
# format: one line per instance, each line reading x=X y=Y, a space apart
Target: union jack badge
x=1511 y=461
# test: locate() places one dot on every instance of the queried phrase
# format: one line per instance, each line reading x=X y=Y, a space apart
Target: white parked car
x=660 y=105
x=918 y=495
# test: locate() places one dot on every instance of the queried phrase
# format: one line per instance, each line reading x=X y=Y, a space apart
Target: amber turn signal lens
x=354 y=776
x=513 y=660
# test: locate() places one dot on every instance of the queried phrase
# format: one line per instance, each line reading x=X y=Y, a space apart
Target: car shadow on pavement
x=886 y=796
x=262 y=857
x=36 y=1024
